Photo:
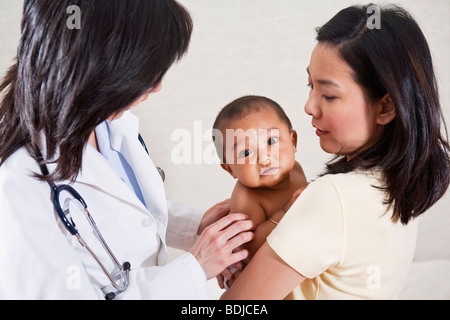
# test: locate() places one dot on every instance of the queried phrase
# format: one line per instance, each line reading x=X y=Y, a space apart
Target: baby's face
x=259 y=149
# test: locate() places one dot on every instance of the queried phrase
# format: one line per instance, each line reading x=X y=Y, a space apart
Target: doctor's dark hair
x=67 y=81
x=395 y=60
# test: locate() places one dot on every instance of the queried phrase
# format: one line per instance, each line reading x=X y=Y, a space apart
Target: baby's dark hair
x=239 y=108
x=243 y=106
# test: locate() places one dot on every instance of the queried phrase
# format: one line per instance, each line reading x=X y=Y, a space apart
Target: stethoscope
x=120 y=280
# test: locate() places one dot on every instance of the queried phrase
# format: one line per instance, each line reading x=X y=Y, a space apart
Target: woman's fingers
x=214 y=249
x=240 y=239
x=214 y=214
x=230 y=220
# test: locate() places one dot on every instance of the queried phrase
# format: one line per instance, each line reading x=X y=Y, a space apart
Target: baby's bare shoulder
x=247 y=200
x=299 y=175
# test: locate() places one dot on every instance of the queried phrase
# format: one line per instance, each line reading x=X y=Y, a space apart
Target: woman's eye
x=272 y=141
x=245 y=153
x=328 y=98
x=309 y=85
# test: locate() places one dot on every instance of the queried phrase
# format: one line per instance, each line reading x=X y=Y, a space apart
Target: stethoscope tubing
x=71 y=228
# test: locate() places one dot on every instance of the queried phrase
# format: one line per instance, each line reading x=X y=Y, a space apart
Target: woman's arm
x=267 y=277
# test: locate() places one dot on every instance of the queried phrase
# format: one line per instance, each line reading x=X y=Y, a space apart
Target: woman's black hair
x=66 y=80
x=413 y=153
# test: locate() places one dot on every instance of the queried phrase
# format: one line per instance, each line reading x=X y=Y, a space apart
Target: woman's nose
x=312 y=108
x=156 y=88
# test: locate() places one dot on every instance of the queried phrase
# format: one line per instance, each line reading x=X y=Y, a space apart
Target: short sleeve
x=310 y=236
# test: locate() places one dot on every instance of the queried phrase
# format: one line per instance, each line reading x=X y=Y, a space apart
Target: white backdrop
x=262 y=47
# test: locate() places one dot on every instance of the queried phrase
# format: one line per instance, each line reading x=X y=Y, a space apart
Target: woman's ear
x=385 y=111
x=294 y=138
x=228 y=169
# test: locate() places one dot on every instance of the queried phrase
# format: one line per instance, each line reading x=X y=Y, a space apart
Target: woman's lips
x=320 y=132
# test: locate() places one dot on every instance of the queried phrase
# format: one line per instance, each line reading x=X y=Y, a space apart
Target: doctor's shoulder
x=17 y=181
x=20 y=162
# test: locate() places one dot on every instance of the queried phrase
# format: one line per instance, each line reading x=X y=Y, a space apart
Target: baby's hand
x=228 y=275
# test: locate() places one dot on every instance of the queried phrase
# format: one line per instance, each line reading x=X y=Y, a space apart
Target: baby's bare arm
x=245 y=201
x=250 y=205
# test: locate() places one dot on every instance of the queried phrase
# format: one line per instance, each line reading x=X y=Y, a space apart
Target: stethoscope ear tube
x=69 y=224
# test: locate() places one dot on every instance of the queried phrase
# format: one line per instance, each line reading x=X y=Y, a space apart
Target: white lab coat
x=40 y=260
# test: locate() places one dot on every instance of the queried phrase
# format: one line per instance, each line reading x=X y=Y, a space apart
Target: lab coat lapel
x=124 y=138
x=97 y=173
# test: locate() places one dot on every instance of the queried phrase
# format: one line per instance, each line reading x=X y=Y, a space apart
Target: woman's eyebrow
x=325 y=82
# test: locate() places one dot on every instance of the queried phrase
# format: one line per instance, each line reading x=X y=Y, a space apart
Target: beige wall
x=261 y=47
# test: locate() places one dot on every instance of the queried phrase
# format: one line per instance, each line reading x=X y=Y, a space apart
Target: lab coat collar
x=124 y=138
x=97 y=173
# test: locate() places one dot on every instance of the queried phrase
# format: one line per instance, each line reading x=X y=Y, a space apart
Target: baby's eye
x=245 y=153
x=272 y=141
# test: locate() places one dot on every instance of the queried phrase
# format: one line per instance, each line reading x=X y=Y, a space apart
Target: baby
x=257 y=145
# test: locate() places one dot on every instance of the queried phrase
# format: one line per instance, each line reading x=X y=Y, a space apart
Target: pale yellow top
x=341 y=237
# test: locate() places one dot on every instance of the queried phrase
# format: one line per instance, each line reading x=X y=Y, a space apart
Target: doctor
x=68 y=98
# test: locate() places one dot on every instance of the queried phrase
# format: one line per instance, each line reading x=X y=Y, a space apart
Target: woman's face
x=346 y=122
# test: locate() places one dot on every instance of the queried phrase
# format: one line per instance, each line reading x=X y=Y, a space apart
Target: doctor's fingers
x=226 y=203
x=214 y=214
x=238 y=227
x=221 y=208
x=236 y=243
x=227 y=221
x=236 y=234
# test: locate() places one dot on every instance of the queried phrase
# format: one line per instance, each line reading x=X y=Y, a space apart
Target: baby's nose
x=265 y=161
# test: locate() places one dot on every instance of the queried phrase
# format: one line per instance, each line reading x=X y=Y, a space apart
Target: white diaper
x=233 y=270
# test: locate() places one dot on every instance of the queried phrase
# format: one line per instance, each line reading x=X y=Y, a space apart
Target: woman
x=64 y=119
x=374 y=103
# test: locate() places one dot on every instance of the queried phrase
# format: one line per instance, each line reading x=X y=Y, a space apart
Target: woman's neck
x=93 y=140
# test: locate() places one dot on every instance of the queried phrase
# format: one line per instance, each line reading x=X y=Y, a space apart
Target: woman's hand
x=214 y=249
x=214 y=214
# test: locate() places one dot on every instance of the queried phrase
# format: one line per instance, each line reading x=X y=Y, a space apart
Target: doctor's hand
x=215 y=248
x=214 y=214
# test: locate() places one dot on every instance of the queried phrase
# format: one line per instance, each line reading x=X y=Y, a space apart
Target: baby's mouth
x=269 y=171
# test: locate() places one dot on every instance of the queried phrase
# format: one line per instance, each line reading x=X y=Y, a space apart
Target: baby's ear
x=294 y=138
x=228 y=169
